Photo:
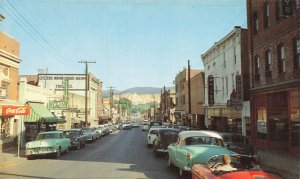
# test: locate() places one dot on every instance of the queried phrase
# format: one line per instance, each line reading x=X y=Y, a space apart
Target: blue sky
x=134 y=42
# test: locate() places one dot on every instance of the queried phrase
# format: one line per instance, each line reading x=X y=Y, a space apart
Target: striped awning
x=39 y=113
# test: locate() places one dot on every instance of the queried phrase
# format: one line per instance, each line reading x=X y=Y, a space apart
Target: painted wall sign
x=15 y=110
x=56 y=81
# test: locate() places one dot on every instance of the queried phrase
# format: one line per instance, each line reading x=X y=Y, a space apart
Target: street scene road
x=122 y=154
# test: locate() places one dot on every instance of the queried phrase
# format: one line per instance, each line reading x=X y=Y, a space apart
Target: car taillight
x=188 y=156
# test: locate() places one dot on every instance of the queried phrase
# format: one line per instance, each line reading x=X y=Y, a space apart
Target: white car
x=151 y=136
x=145 y=126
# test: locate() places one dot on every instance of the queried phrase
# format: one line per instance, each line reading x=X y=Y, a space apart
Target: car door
x=180 y=154
x=171 y=150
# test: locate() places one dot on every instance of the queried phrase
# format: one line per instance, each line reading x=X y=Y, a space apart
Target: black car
x=77 y=138
x=238 y=143
x=164 y=137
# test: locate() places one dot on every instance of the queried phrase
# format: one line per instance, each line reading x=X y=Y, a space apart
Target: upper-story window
x=266 y=14
x=281 y=58
x=255 y=20
x=268 y=58
x=297 y=52
x=279 y=7
x=234 y=55
x=224 y=60
x=257 y=65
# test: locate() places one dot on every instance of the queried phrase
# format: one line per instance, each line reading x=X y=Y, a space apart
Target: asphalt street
x=122 y=154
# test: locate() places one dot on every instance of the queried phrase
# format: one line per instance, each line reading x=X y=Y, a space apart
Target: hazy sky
x=134 y=42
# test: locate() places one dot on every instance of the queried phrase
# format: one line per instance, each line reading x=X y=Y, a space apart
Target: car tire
x=180 y=172
x=30 y=157
x=79 y=146
x=169 y=162
x=58 y=153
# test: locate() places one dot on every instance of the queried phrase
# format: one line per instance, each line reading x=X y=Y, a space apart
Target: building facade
x=274 y=54
x=197 y=100
x=181 y=94
x=167 y=105
x=9 y=77
x=226 y=71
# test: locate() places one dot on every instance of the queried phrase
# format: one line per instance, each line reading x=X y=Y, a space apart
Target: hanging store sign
x=15 y=110
x=211 y=98
x=56 y=81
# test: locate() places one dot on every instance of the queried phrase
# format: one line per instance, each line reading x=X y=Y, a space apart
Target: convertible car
x=46 y=143
x=194 y=147
x=242 y=166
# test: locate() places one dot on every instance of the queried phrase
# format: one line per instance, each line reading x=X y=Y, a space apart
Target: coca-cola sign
x=15 y=110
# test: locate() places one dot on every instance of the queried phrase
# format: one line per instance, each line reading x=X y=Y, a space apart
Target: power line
x=34 y=34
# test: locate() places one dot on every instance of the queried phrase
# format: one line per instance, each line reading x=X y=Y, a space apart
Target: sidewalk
x=10 y=157
x=282 y=163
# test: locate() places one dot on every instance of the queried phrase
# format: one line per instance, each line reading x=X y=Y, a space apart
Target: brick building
x=9 y=77
x=274 y=54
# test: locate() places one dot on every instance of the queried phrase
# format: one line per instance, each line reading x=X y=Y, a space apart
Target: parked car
x=155 y=123
x=126 y=126
x=136 y=124
x=145 y=126
x=151 y=136
x=194 y=147
x=105 y=130
x=90 y=134
x=48 y=143
x=98 y=131
x=183 y=128
x=77 y=138
x=238 y=143
x=242 y=168
x=164 y=137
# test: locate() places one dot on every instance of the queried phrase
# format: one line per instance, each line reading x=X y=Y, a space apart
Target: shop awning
x=77 y=119
x=39 y=113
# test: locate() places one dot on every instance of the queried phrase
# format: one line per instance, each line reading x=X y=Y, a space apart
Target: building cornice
x=10 y=56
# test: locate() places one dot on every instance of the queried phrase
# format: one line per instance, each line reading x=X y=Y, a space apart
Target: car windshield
x=238 y=162
x=196 y=140
x=71 y=133
x=48 y=136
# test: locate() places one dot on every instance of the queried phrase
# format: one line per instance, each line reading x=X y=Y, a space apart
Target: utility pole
x=86 y=88
x=189 y=88
x=111 y=94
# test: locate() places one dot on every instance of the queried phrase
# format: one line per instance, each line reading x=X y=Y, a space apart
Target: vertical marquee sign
x=61 y=104
x=211 y=98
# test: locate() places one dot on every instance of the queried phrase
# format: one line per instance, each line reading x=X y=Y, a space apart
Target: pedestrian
x=255 y=162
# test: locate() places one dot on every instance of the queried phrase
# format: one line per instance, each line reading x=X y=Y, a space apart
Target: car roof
x=204 y=133
x=167 y=129
x=72 y=130
x=49 y=132
x=156 y=128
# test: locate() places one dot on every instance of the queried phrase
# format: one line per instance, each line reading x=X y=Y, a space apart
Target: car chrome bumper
x=162 y=150
x=32 y=152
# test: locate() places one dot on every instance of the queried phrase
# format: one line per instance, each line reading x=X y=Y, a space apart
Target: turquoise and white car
x=48 y=143
x=195 y=147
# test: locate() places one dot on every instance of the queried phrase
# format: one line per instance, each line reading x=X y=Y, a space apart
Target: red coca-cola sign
x=15 y=110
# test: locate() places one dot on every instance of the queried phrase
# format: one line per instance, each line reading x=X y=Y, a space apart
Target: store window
x=278 y=124
x=257 y=65
x=255 y=19
x=261 y=124
x=297 y=52
x=295 y=117
x=266 y=14
x=5 y=128
x=281 y=59
x=268 y=61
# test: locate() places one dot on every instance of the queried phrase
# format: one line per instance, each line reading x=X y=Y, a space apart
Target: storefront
x=225 y=119
x=10 y=114
x=39 y=120
x=276 y=120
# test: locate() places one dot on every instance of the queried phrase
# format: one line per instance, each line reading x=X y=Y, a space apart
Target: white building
x=226 y=63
